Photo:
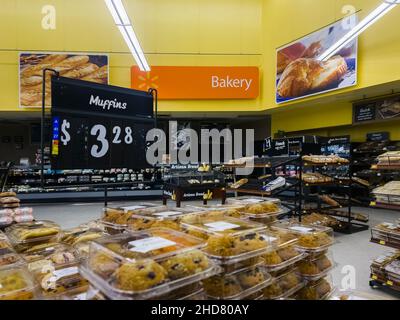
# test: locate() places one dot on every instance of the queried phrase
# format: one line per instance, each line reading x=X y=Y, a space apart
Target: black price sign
x=378 y=136
x=99 y=127
x=366 y=112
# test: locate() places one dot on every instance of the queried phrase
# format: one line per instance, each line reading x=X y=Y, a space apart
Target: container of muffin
x=284 y=285
x=266 y=212
x=16 y=283
x=238 y=285
x=286 y=253
x=55 y=269
x=29 y=235
x=158 y=217
x=146 y=264
x=312 y=239
x=115 y=220
x=316 y=267
x=230 y=242
x=248 y=200
x=80 y=237
x=316 y=290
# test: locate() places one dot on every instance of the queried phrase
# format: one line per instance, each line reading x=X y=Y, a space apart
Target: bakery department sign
x=178 y=83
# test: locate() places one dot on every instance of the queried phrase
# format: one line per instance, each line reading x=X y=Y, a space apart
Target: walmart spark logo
x=148 y=81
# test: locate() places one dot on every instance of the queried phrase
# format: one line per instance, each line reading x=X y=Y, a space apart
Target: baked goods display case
x=387 y=196
x=190 y=182
x=386 y=234
x=315 y=267
x=17 y=284
x=385 y=271
x=147 y=264
x=90 y=183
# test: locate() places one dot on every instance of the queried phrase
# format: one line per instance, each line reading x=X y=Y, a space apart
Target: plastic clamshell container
x=310 y=238
x=182 y=292
x=83 y=294
x=196 y=296
x=316 y=290
x=283 y=257
x=230 y=240
x=265 y=209
x=146 y=264
x=284 y=285
x=237 y=285
x=28 y=234
x=80 y=235
x=56 y=269
x=16 y=284
x=9 y=258
x=5 y=245
x=386 y=232
x=316 y=267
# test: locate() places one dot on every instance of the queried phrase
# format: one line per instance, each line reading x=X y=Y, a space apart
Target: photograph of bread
x=300 y=73
x=92 y=68
x=389 y=108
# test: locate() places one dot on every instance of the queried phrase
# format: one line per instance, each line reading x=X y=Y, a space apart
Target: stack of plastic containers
x=315 y=268
x=151 y=264
x=282 y=265
x=16 y=282
x=237 y=246
x=80 y=237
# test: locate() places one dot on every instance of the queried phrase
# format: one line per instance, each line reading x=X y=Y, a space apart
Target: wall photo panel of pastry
x=87 y=67
x=299 y=72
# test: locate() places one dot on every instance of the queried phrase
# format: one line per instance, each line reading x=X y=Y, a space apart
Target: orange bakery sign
x=175 y=83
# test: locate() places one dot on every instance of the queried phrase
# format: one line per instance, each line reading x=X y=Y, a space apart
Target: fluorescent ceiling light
x=368 y=21
x=121 y=19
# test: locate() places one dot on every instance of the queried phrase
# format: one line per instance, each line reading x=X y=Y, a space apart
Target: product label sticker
x=253 y=200
x=167 y=214
x=301 y=229
x=221 y=226
x=150 y=244
x=126 y=209
x=58 y=274
x=269 y=238
x=81 y=297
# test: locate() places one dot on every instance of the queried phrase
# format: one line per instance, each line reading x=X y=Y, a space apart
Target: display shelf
x=326 y=164
x=387 y=206
x=379 y=281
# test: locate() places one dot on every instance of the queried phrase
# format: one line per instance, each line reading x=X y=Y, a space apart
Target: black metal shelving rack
x=291 y=193
x=345 y=185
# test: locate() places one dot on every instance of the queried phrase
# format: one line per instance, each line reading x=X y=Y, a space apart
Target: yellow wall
x=379 y=52
x=173 y=32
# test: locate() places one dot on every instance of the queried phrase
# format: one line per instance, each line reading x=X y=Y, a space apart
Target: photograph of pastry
x=300 y=73
x=389 y=108
x=92 y=68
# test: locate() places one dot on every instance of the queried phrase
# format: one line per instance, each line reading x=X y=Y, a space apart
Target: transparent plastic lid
x=142 y=265
x=9 y=258
x=284 y=285
x=237 y=285
x=249 y=200
x=27 y=232
x=16 y=284
x=5 y=245
x=80 y=234
x=283 y=257
x=310 y=238
x=264 y=210
x=316 y=267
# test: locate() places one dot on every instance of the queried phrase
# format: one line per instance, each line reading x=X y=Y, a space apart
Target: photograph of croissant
x=300 y=73
x=92 y=68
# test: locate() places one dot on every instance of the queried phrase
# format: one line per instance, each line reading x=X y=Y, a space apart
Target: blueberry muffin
x=251 y=278
x=185 y=264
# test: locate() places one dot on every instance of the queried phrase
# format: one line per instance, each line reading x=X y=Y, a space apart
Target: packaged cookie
x=16 y=284
x=25 y=235
x=310 y=238
x=55 y=269
x=237 y=285
x=146 y=264
x=284 y=285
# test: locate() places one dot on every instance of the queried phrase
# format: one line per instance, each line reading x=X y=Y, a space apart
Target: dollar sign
x=66 y=137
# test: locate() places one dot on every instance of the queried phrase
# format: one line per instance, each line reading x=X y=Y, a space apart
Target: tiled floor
x=350 y=250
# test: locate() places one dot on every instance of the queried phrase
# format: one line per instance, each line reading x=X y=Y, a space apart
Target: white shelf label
x=126 y=209
x=150 y=244
x=58 y=274
x=301 y=229
x=221 y=226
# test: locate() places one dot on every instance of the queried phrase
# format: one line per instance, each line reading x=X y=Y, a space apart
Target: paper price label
x=150 y=244
x=382 y=242
x=167 y=214
x=389 y=283
x=58 y=274
x=301 y=229
x=221 y=226
x=374 y=277
x=126 y=209
x=373 y=204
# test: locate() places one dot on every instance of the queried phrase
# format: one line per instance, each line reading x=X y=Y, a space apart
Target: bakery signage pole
x=56 y=73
